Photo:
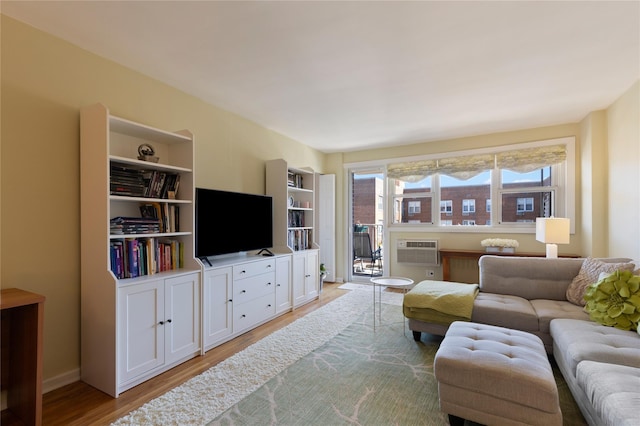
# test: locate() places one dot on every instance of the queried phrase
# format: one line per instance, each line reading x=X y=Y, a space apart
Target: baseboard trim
x=61 y=380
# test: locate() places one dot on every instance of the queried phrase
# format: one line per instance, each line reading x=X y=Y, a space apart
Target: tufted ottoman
x=495 y=375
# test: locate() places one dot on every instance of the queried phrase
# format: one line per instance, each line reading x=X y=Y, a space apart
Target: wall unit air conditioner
x=420 y=252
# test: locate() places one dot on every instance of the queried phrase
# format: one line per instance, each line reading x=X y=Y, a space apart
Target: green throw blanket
x=440 y=302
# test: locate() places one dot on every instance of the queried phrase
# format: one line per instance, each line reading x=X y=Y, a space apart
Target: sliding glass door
x=366 y=224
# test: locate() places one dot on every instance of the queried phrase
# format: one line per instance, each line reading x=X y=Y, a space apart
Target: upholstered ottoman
x=495 y=375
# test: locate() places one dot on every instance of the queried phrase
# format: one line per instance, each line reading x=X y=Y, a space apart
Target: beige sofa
x=600 y=364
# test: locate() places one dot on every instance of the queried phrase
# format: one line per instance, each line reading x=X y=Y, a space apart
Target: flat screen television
x=232 y=222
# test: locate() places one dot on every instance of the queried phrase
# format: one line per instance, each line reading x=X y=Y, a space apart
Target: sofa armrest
x=528 y=277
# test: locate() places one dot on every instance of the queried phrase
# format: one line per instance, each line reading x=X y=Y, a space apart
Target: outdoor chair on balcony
x=362 y=251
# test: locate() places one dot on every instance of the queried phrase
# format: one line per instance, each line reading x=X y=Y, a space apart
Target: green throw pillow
x=615 y=300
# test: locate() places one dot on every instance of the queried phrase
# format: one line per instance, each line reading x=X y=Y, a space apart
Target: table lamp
x=552 y=231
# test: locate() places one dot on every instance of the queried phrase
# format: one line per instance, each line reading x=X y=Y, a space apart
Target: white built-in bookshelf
x=140 y=284
x=293 y=192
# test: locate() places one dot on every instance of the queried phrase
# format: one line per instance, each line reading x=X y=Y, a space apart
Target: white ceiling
x=349 y=75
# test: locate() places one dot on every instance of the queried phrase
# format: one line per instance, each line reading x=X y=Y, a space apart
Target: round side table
x=395 y=282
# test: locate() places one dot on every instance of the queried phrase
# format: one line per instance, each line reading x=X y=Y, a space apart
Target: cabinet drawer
x=253 y=287
x=250 y=269
x=247 y=315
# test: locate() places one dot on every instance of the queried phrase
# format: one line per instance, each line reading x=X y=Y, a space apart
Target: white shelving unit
x=293 y=192
x=135 y=325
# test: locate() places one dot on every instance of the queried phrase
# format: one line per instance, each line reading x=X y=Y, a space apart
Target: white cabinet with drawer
x=241 y=293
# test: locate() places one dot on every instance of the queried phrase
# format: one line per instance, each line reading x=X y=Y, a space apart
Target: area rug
x=327 y=368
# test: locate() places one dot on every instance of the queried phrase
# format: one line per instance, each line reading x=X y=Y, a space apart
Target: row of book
x=135 y=257
x=167 y=215
x=299 y=239
x=131 y=182
x=296 y=219
x=294 y=180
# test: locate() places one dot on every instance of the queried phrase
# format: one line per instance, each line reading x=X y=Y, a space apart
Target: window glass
x=412 y=201
x=525 y=196
x=463 y=195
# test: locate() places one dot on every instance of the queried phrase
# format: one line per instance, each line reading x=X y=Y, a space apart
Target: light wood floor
x=80 y=404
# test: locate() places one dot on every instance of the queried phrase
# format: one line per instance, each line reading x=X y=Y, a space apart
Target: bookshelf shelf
x=141 y=164
x=140 y=284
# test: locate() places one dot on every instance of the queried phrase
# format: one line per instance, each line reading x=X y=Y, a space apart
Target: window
x=414 y=207
x=468 y=206
x=524 y=205
x=446 y=207
x=412 y=201
x=524 y=181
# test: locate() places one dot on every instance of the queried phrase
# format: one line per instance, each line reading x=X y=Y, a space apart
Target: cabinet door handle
x=243 y=272
x=269 y=305
x=161 y=323
x=307 y=276
x=169 y=320
x=268 y=283
x=230 y=300
x=277 y=285
x=243 y=291
x=243 y=316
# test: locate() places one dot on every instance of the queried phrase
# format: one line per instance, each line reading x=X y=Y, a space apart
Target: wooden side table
x=22 y=319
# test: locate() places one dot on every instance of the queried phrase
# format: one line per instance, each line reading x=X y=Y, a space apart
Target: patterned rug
x=358 y=377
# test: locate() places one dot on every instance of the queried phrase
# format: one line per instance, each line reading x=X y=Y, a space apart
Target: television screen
x=232 y=222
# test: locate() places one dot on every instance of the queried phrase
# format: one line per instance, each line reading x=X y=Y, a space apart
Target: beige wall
x=623 y=175
x=45 y=82
x=593 y=178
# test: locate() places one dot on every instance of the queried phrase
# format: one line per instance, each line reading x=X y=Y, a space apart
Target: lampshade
x=552 y=231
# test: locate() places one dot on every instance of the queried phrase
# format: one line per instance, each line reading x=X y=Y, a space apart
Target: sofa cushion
x=613 y=391
x=589 y=273
x=615 y=300
x=504 y=311
x=528 y=277
x=548 y=310
x=579 y=340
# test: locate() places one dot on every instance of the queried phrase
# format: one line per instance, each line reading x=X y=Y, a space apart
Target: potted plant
x=323 y=274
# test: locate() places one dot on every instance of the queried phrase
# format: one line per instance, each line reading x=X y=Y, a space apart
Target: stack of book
x=126 y=181
x=132 y=182
x=134 y=225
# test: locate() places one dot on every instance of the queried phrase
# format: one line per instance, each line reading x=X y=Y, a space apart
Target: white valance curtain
x=413 y=171
x=468 y=166
x=528 y=160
